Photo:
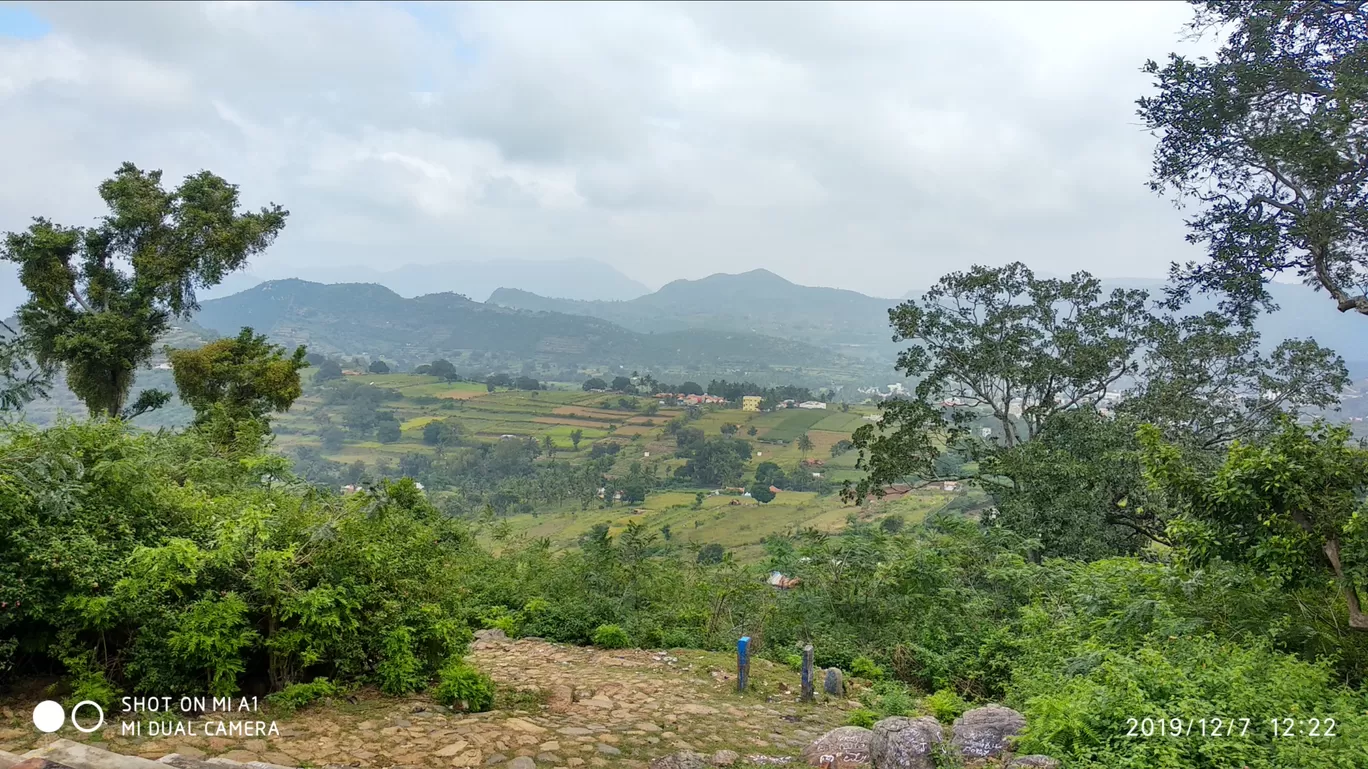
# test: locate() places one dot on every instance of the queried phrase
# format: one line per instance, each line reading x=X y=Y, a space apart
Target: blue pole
x=742 y=663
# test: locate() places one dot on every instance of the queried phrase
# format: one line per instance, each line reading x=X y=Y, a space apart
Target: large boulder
x=1033 y=762
x=684 y=759
x=987 y=731
x=845 y=747
x=905 y=743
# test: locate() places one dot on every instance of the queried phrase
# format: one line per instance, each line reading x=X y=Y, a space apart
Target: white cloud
x=844 y=144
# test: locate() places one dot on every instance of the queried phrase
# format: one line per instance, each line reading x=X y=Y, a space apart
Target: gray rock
x=684 y=759
x=608 y=750
x=522 y=762
x=491 y=634
x=845 y=747
x=1033 y=762
x=725 y=758
x=905 y=743
x=834 y=682
x=497 y=758
x=987 y=731
x=548 y=758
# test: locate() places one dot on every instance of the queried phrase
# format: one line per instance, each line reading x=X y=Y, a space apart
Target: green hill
x=372 y=321
x=757 y=301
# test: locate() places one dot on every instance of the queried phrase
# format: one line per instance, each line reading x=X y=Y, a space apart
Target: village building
x=751 y=402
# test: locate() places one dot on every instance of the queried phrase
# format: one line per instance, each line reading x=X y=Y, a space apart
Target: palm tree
x=804 y=444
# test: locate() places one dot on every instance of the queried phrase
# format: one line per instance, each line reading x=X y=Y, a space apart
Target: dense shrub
x=462 y=687
x=147 y=563
x=611 y=637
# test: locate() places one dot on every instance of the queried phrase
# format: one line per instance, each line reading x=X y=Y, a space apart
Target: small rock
x=524 y=726
x=684 y=759
x=522 y=762
x=574 y=731
x=694 y=708
x=725 y=758
x=1033 y=762
x=550 y=746
x=548 y=758
x=987 y=731
x=608 y=750
x=905 y=743
x=834 y=682
x=844 y=747
x=497 y=758
x=491 y=634
x=647 y=726
x=452 y=749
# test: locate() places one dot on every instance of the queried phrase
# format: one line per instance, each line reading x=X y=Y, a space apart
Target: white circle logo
x=92 y=704
x=48 y=716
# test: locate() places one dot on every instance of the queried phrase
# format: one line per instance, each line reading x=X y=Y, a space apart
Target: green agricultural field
x=741 y=528
x=794 y=422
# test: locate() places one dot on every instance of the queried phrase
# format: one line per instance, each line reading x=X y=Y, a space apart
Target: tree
x=711 y=554
x=691 y=388
x=1001 y=340
x=769 y=474
x=98 y=320
x=623 y=385
x=804 y=443
x=717 y=462
x=729 y=430
x=548 y=446
x=526 y=383
x=576 y=435
x=20 y=380
x=761 y=493
x=327 y=371
x=379 y=367
x=331 y=437
x=1290 y=505
x=359 y=418
x=634 y=491
x=840 y=447
x=595 y=384
x=698 y=501
x=241 y=379
x=1267 y=138
x=388 y=431
x=751 y=431
x=665 y=532
x=442 y=368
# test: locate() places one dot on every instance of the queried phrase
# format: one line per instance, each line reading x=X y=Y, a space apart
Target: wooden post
x=807 y=673
x=742 y=663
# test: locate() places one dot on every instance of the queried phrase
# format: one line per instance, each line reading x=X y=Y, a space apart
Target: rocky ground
x=558 y=707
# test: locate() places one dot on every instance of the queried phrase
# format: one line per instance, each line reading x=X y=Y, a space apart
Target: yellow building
x=750 y=402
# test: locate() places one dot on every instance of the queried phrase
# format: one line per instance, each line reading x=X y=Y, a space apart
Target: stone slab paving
x=560 y=707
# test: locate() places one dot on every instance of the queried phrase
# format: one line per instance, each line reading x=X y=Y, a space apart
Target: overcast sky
x=871 y=147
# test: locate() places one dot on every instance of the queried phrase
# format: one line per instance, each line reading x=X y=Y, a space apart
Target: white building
x=811 y=405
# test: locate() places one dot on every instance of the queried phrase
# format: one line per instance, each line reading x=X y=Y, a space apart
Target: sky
x=864 y=146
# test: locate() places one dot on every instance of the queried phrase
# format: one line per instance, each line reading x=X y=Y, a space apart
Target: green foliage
x=20 y=380
x=946 y=705
x=99 y=322
x=864 y=667
x=462 y=687
x=611 y=637
x=1264 y=137
x=863 y=718
x=296 y=696
x=888 y=698
x=761 y=493
x=237 y=380
x=162 y=562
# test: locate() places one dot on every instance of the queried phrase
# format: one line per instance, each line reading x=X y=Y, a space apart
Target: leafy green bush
x=611 y=637
x=462 y=687
x=864 y=667
x=863 y=718
x=946 y=705
x=296 y=696
x=794 y=662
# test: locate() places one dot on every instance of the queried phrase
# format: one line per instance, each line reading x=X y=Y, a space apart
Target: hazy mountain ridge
x=758 y=301
x=581 y=279
x=372 y=320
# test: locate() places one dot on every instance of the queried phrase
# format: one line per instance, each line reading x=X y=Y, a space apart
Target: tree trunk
x=1357 y=619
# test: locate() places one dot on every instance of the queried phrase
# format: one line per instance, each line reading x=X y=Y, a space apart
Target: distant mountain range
x=584 y=279
x=762 y=302
x=373 y=321
x=758 y=302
